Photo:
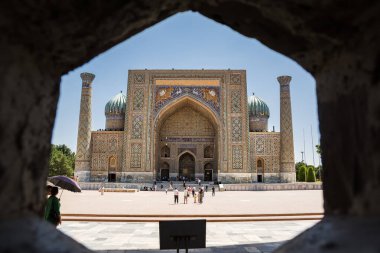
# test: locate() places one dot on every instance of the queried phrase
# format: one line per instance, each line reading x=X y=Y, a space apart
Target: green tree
x=298 y=167
x=318 y=149
x=62 y=161
x=310 y=174
x=318 y=173
x=302 y=173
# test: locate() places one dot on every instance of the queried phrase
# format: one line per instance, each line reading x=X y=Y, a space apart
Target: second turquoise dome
x=257 y=107
x=116 y=104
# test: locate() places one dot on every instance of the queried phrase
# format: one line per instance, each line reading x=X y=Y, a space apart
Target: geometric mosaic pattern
x=137 y=127
x=112 y=144
x=236 y=129
x=235 y=79
x=84 y=131
x=265 y=146
x=287 y=145
x=260 y=146
x=138 y=99
x=136 y=149
x=139 y=78
x=235 y=102
x=237 y=157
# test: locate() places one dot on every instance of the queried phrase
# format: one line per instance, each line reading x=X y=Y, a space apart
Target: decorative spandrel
x=209 y=95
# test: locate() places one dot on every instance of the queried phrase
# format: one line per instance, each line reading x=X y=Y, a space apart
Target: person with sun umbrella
x=52 y=209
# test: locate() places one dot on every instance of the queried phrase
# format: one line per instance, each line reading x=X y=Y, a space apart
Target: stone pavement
x=241 y=202
x=248 y=237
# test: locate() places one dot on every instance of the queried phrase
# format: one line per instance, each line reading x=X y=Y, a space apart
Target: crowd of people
x=197 y=194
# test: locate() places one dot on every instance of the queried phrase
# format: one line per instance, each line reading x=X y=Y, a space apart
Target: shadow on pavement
x=241 y=248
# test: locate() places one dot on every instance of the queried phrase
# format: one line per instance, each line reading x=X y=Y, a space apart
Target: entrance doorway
x=208 y=172
x=259 y=178
x=111 y=177
x=186 y=167
x=164 y=174
x=208 y=175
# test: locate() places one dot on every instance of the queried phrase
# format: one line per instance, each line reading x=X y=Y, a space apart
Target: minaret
x=287 y=166
x=83 y=156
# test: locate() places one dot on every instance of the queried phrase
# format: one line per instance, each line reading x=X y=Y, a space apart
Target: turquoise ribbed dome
x=257 y=107
x=116 y=104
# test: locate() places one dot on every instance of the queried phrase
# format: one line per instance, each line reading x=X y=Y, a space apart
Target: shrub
x=298 y=167
x=310 y=174
x=302 y=174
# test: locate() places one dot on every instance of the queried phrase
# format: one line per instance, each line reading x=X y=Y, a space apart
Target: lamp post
x=302 y=155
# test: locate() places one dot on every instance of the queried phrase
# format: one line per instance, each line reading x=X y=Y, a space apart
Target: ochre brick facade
x=185 y=124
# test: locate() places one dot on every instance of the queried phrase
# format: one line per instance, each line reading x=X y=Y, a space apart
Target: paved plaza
x=256 y=237
x=234 y=237
x=242 y=202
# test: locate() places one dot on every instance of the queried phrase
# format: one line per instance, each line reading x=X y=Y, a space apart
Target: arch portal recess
x=178 y=139
x=186 y=101
x=186 y=166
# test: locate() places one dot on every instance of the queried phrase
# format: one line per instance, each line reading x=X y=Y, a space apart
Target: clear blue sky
x=191 y=41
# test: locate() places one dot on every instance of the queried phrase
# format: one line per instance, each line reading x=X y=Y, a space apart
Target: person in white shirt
x=176 y=196
x=185 y=193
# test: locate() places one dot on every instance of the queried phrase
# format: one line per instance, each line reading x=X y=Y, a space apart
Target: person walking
x=200 y=195
x=52 y=210
x=176 y=196
x=195 y=197
x=213 y=191
x=206 y=187
x=193 y=191
x=185 y=195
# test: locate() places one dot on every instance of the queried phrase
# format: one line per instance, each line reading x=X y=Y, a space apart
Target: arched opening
x=260 y=170
x=208 y=172
x=112 y=163
x=186 y=125
x=344 y=89
x=186 y=167
x=165 y=169
x=165 y=151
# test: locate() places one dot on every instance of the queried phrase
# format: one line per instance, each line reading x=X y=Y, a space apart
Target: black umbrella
x=65 y=183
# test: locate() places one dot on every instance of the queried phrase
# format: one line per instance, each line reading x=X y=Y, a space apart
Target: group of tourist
x=197 y=195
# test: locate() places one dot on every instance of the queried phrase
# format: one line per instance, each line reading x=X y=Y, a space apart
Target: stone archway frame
x=343 y=56
x=200 y=107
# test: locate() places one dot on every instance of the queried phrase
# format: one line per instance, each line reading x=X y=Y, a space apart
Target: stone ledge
x=337 y=234
x=273 y=187
x=119 y=190
x=33 y=234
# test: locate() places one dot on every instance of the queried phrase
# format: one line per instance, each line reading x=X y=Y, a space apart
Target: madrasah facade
x=185 y=124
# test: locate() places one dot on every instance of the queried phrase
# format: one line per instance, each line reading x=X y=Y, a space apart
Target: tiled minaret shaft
x=287 y=166
x=83 y=156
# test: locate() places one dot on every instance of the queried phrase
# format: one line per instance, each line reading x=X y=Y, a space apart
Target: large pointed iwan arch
x=201 y=108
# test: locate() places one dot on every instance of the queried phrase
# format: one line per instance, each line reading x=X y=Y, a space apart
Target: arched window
x=259 y=163
x=165 y=151
x=208 y=166
x=208 y=152
x=112 y=162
